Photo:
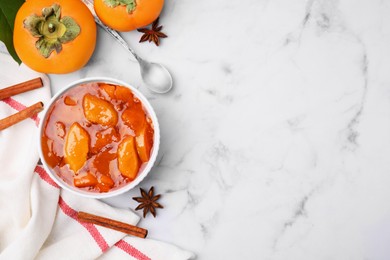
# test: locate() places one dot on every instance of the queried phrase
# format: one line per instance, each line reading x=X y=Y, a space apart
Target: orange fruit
x=71 y=52
x=128 y=17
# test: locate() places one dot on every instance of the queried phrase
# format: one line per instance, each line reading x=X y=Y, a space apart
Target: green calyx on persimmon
x=51 y=30
x=129 y=4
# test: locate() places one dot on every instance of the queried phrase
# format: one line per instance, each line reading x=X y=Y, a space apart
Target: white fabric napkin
x=38 y=219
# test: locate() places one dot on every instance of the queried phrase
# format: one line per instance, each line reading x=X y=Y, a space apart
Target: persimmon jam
x=97 y=137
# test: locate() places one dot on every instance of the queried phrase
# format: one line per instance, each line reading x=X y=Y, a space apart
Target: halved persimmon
x=127 y=15
x=54 y=36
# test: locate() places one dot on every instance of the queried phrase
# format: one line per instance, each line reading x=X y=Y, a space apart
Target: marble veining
x=276 y=137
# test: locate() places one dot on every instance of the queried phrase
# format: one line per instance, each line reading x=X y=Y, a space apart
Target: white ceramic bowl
x=143 y=172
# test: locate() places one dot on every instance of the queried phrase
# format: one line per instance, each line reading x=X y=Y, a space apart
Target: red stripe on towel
x=121 y=244
x=44 y=176
x=90 y=227
x=129 y=249
x=14 y=104
x=19 y=107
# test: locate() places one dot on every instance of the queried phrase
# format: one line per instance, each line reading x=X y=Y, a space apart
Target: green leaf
x=8 y=10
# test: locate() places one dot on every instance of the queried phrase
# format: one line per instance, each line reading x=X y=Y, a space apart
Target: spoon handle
x=112 y=32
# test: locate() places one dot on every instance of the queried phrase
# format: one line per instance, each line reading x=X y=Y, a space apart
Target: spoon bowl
x=156 y=76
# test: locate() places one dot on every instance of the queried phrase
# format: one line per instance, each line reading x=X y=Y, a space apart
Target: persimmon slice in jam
x=118 y=92
x=145 y=142
x=76 y=147
x=69 y=101
x=135 y=119
x=97 y=137
x=85 y=180
x=128 y=161
x=99 y=111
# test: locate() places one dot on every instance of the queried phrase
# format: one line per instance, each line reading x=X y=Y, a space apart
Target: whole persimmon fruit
x=54 y=36
x=127 y=15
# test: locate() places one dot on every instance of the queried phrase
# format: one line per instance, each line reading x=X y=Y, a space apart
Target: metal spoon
x=156 y=76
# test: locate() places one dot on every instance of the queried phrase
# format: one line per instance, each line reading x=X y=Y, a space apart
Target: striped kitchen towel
x=38 y=219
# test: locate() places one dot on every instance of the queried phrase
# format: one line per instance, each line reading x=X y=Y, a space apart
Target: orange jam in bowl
x=99 y=138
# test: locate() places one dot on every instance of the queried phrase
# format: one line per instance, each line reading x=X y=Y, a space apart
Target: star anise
x=148 y=202
x=152 y=35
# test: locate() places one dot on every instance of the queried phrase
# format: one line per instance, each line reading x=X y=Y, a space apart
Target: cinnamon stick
x=21 y=115
x=112 y=224
x=20 y=88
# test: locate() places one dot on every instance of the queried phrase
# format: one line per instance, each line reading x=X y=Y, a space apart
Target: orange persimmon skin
x=74 y=55
x=146 y=11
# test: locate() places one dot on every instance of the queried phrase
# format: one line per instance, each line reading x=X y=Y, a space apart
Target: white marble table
x=276 y=137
